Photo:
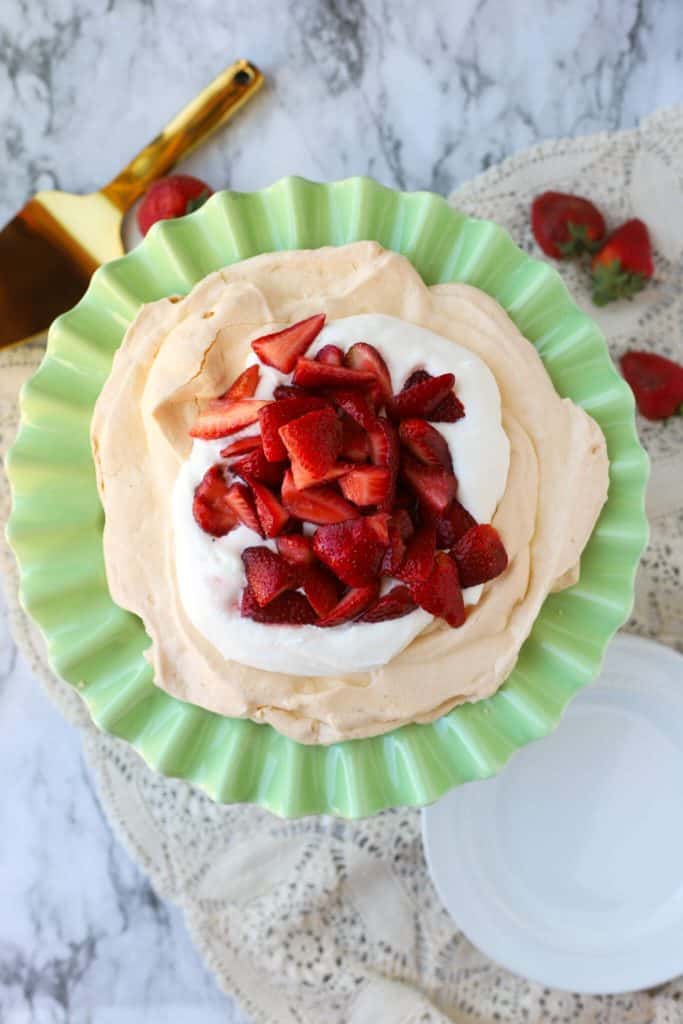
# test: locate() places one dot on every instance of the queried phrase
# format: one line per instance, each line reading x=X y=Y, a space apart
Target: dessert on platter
x=337 y=497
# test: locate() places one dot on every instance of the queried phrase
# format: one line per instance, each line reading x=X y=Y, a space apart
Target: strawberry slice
x=419 y=557
x=242 y=504
x=311 y=374
x=425 y=443
x=434 y=486
x=449 y=411
x=256 y=465
x=289 y=609
x=451 y=526
x=384 y=451
x=272 y=516
x=242 y=445
x=283 y=391
x=479 y=555
x=395 y=553
x=379 y=523
x=367 y=485
x=421 y=398
x=352 y=550
x=313 y=443
x=394 y=605
x=276 y=415
x=322 y=589
x=355 y=445
x=210 y=508
x=330 y=354
x=353 y=604
x=268 y=575
x=401 y=519
x=367 y=358
x=416 y=377
x=316 y=504
x=296 y=548
x=441 y=594
x=245 y=385
x=221 y=417
x=283 y=348
x=356 y=404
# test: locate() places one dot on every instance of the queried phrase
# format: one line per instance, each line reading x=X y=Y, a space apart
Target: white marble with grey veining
x=419 y=95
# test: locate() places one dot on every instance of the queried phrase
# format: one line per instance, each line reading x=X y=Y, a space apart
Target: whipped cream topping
x=210 y=573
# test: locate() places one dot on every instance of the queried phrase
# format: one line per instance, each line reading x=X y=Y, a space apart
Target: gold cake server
x=51 y=247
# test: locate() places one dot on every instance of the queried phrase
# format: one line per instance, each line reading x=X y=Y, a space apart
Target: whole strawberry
x=171 y=197
x=624 y=264
x=566 y=226
x=656 y=382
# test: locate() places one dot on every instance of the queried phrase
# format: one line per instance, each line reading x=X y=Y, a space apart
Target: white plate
x=567 y=867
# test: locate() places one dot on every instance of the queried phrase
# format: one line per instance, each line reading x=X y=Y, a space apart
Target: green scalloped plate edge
x=56 y=522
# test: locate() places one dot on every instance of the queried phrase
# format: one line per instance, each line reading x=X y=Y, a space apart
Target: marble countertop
x=417 y=95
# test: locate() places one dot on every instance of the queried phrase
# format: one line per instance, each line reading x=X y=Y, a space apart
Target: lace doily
x=325 y=922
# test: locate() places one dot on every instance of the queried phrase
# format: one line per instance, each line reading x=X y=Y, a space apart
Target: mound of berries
x=362 y=468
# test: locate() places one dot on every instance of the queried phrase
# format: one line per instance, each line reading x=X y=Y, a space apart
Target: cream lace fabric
x=325 y=922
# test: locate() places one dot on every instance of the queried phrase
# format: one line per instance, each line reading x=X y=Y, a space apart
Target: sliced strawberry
x=330 y=354
x=222 y=417
x=276 y=415
x=322 y=589
x=405 y=499
x=379 y=523
x=283 y=348
x=416 y=377
x=355 y=444
x=210 y=507
x=311 y=374
x=313 y=443
x=394 y=605
x=441 y=594
x=244 y=444
x=356 y=404
x=352 y=550
x=352 y=605
x=395 y=553
x=451 y=526
x=450 y=410
x=479 y=555
x=289 y=609
x=296 y=548
x=425 y=443
x=401 y=519
x=283 y=391
x=367 y=485
x=435 y=486
x=272 y=516
x=420 y=399
x=316 y=504
x=384 y=451
x=268 y=574
x=419 y=557
x=256 y=465
x=367 y=358
x=242 y=504
x=245 y=385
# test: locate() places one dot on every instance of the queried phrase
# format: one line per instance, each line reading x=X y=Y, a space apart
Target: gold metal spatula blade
x=49 y=250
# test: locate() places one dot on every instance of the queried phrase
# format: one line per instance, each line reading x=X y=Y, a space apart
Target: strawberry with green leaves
x=174 y=196
x=623 y=265
x=566 y=226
